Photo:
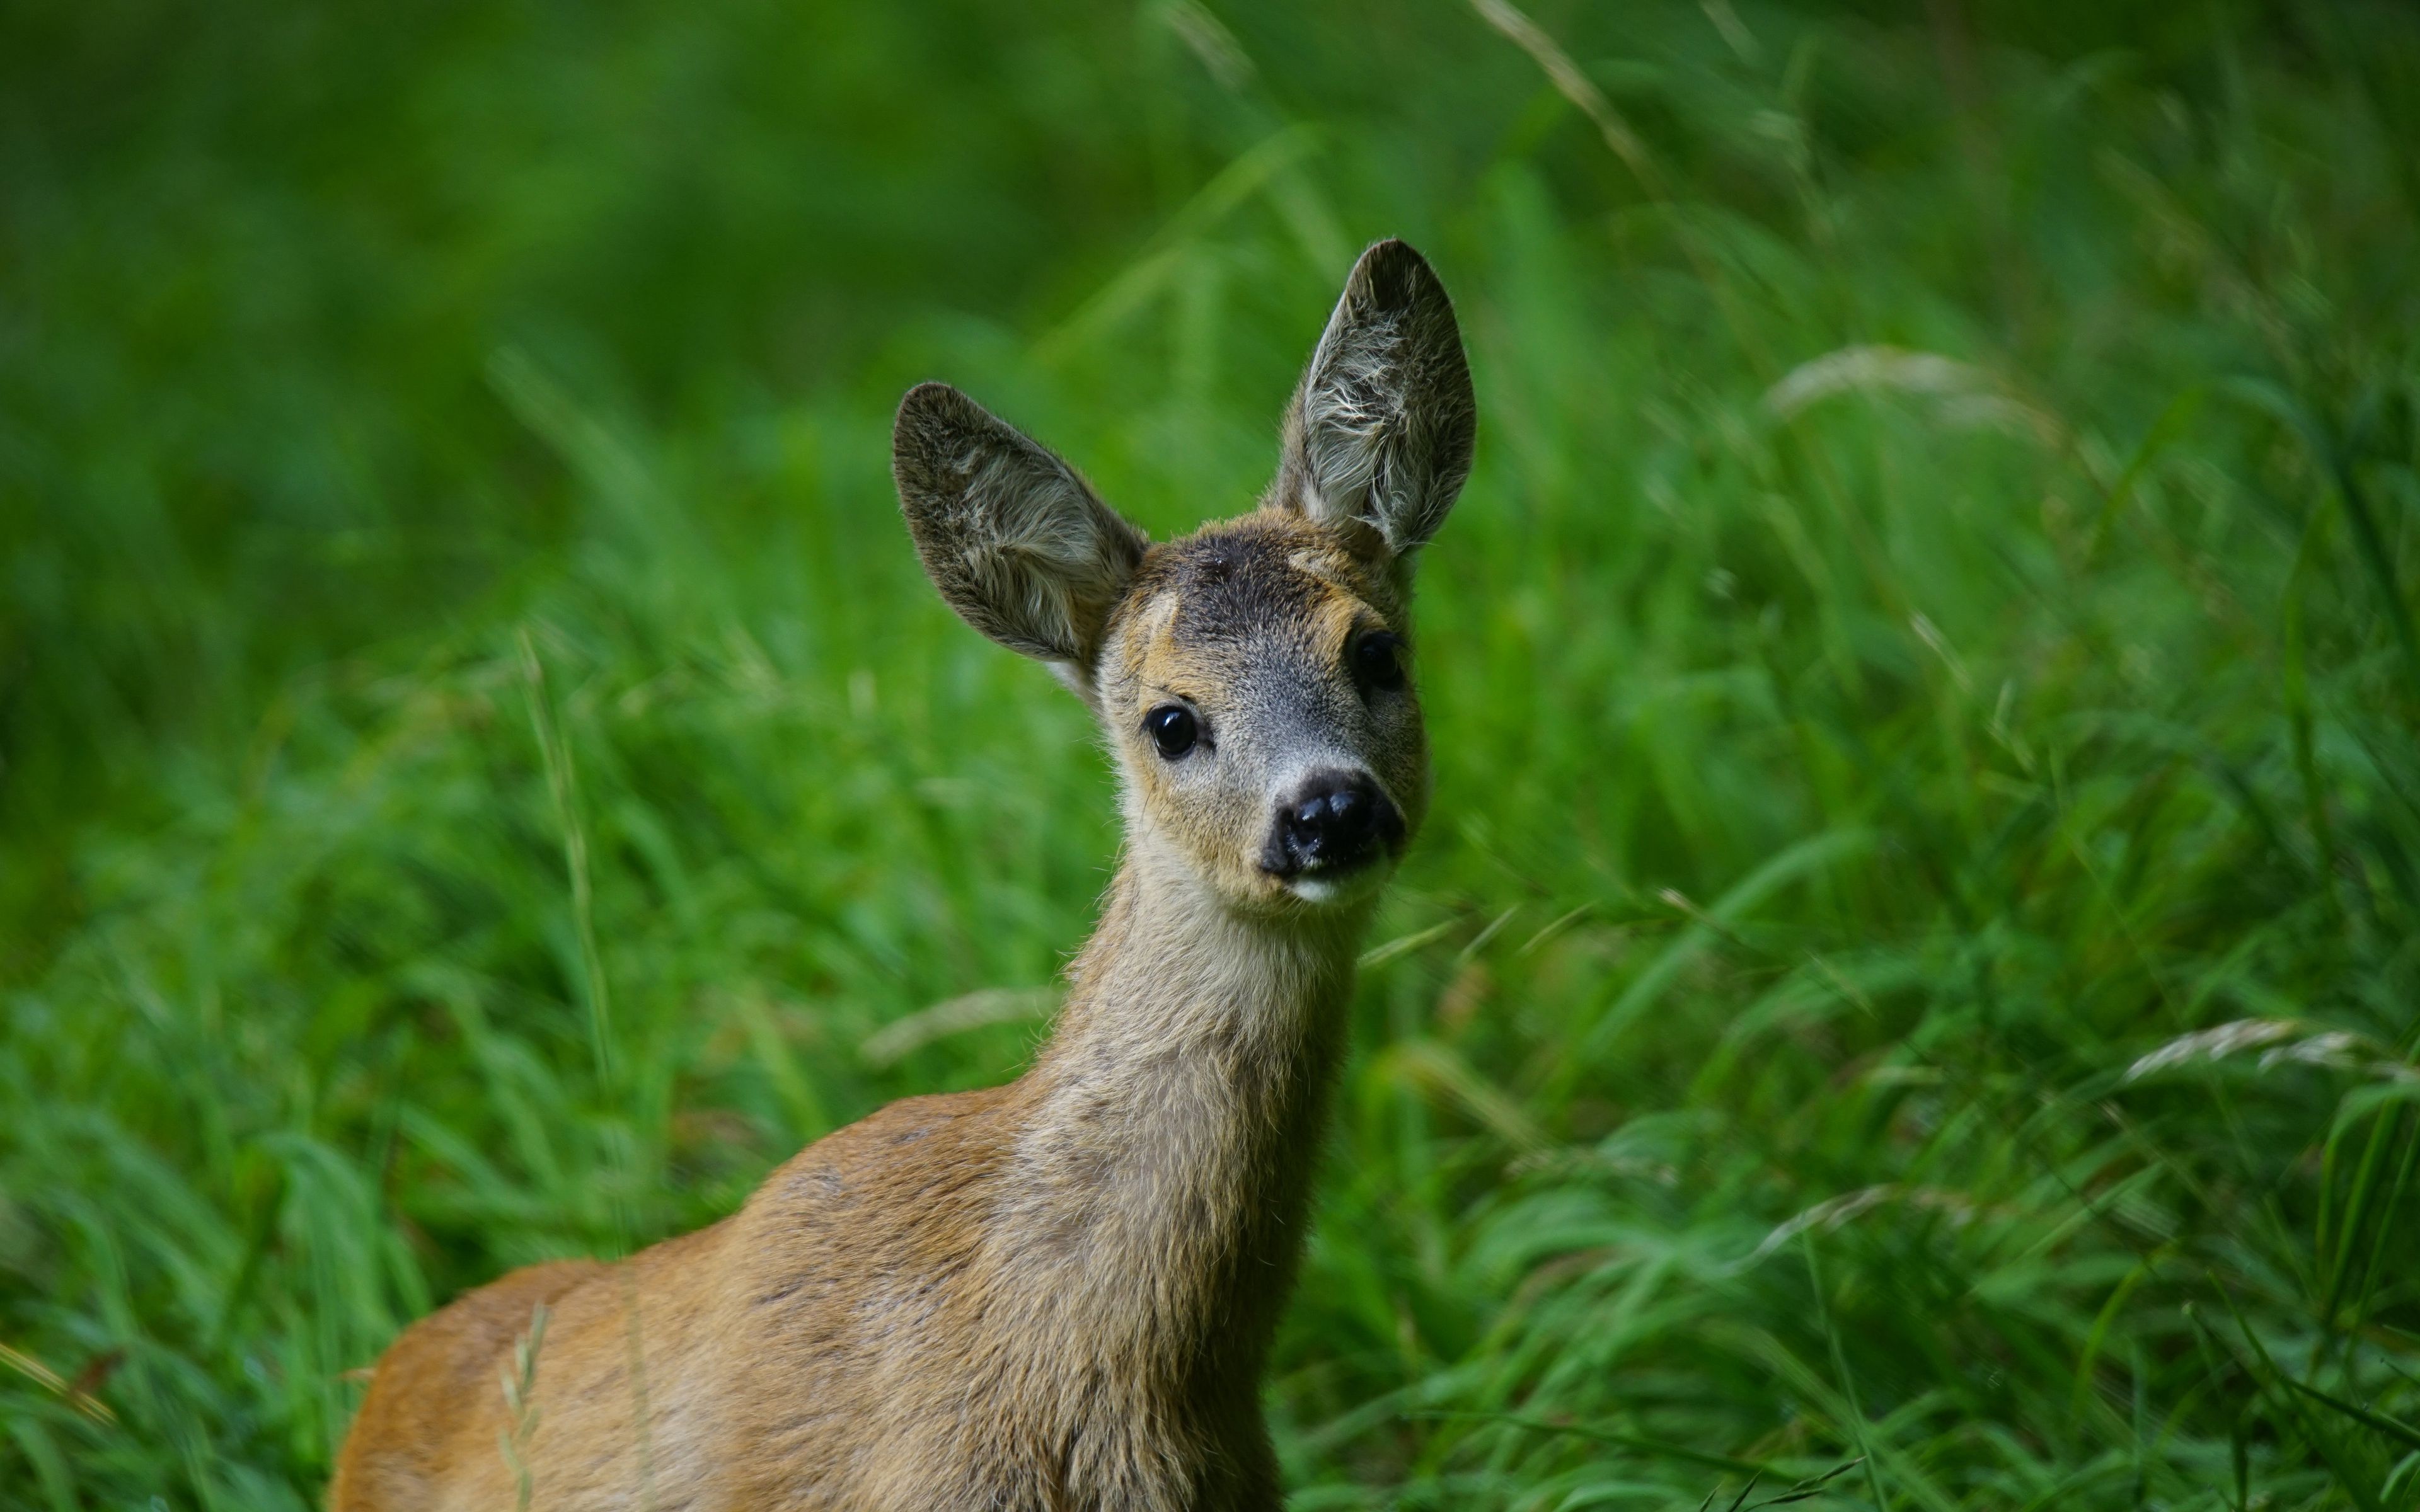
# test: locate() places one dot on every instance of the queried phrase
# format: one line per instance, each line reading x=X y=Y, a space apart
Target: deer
x=1057 y=1293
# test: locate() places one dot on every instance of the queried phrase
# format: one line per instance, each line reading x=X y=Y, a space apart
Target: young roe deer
x=1057 y=1293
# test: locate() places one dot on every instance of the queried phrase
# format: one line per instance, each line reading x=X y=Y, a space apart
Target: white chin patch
x=1343 y=887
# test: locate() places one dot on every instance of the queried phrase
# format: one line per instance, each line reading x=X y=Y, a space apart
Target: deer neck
x=1162 y=1171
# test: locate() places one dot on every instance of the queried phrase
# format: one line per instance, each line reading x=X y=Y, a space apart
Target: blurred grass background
x=1915 y=960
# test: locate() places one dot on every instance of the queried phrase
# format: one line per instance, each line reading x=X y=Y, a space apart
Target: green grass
x=1932 y=626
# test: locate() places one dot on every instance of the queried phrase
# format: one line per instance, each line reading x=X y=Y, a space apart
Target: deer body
x=1057 y=1293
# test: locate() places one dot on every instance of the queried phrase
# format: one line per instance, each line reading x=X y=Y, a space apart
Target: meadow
x=1911 y=987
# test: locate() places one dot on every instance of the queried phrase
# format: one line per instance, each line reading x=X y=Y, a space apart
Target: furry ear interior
x=1013 y=538
x=1381 y=427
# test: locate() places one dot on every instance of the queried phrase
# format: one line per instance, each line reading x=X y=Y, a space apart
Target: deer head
x=1254 y=679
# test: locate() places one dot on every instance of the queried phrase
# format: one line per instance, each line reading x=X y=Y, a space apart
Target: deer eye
x=1378 y=661
x=1172 y=729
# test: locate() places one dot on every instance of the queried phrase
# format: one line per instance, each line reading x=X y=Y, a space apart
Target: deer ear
x=1012 y=537
x=1381 y=427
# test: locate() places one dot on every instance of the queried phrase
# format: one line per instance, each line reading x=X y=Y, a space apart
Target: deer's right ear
x=1013 y=538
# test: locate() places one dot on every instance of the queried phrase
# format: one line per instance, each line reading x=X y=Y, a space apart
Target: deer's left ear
x=1381 y=427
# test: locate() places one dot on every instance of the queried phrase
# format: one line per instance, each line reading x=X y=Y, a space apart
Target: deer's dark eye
x=1378 y=661
x=1172 y=729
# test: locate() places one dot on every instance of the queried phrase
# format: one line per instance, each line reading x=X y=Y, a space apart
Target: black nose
x=1334 y=821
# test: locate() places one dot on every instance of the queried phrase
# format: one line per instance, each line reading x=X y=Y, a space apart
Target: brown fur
x=1058 y=1294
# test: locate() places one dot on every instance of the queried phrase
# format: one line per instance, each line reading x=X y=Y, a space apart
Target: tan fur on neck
x=1053 y=1294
